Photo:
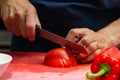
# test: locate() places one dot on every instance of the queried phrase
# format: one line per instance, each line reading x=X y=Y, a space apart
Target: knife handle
x=37 y=30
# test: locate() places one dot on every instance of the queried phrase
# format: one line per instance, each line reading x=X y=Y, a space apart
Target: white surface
x=5 y=59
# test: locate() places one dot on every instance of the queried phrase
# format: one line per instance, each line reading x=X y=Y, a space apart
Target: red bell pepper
x=106 y=66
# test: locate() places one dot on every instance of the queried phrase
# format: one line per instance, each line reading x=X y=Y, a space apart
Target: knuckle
x=87 y=30
x=31 y=10
x=19 y=14
x=73 y=31
x=85 y=40
x=11 y=17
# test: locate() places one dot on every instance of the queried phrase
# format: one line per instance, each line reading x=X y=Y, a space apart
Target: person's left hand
x=94 y=42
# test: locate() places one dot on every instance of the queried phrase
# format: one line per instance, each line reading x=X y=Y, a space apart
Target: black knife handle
x=37 y=30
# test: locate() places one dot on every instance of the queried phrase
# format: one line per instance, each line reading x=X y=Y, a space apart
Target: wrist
x=112 y=32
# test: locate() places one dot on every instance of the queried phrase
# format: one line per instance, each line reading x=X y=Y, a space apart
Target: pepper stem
x=104 y=70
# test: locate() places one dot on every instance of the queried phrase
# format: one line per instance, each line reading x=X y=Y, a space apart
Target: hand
x=19 y=17
x=94 y=42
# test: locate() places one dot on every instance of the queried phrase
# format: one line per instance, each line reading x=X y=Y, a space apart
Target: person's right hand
x=20 y=17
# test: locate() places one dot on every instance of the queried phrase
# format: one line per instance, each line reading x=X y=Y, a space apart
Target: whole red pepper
x=106 y=66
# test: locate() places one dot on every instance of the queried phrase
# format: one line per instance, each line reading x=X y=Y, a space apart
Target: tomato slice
x=60 y=57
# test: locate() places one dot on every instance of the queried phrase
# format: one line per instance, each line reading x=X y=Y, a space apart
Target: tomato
x=60 y=57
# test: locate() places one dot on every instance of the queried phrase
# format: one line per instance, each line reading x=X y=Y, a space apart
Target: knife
x=74 y=47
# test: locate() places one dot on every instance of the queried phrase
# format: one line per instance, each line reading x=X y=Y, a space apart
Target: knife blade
x=74 y=47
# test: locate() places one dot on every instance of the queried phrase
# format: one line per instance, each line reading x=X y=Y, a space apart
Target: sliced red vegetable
x=60 y=57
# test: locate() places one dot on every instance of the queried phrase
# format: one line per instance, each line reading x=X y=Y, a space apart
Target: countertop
x=28 y=66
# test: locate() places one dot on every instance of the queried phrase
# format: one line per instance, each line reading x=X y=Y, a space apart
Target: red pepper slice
x=60 y=57
x=106 y=66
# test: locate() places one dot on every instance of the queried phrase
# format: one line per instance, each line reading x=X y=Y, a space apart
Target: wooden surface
x=28 y=66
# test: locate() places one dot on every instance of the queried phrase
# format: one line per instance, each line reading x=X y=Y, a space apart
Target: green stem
x=104 y=70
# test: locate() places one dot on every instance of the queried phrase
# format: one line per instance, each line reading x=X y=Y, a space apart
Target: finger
x=8 y=25
x=85 y=41
x=15 y=27
x=71 y=36
x=5 y=17
x=92 y=47
x=76 y=40
x=92 y=56
x=74 y=35
x=20 y=20
x=30 y=26
x=13 y=22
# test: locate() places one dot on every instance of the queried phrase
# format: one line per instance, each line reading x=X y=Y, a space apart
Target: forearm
x=112 y=32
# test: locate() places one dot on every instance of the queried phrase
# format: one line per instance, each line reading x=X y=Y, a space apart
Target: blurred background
x=5 y=38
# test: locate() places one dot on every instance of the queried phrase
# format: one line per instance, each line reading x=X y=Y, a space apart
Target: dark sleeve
x=108 y=3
